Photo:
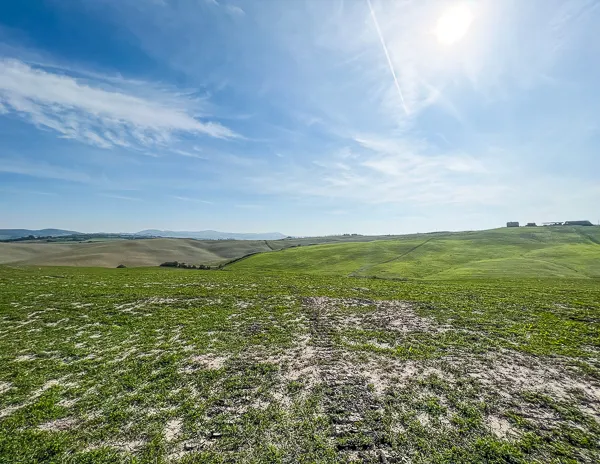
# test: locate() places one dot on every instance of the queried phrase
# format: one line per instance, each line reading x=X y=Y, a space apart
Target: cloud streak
x=387 y=56
x=194 y=200
x=235 y=10
x=120 y=197
x=372 y=170
x=92 y=114
x=43 y=170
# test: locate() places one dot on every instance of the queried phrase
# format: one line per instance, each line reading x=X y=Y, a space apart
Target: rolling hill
x=149 y=252
x=564 y=251
x=8 y=234
x=210 y=235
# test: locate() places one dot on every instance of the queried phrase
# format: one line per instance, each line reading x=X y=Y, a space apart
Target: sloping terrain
x=524 y=252
x=152 y=252
x=166 y=366
x=148 y=252
x=6 y=234
x=210 y=235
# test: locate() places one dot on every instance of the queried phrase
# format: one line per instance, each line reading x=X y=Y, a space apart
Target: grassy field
x=571 y=252
x=159 y=365
x=111 y=253
x=152 y=252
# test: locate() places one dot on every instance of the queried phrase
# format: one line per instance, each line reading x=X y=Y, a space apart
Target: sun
x=453 y=24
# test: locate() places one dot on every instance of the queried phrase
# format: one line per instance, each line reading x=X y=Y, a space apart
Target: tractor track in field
x=346 y=396
x=395 y=258
x=589 y=237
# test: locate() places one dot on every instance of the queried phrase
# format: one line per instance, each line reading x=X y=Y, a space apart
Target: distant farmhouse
x=566 y=223
x=578 y=223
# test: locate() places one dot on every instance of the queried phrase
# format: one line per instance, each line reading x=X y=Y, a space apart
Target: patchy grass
x=532 y=252
x=159 y=365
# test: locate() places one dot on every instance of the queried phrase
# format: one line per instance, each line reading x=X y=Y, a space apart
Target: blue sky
x=304 y=117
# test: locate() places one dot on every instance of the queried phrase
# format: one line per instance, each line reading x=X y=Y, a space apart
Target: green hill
x=572 y=252
x=109 y=250
x=110 y=253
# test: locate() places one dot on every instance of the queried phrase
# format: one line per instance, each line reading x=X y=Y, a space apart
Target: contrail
x=387 y=55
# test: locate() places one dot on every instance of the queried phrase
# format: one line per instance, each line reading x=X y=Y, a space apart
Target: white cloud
x=393 y=171
x=387 y=55
x=189 y=154
x=196 y=200
x=120 y=197
x=235 y=10
x=43 y=170
x=27 y=192
x=248 y=206
x=373 y=187
x=94 y=115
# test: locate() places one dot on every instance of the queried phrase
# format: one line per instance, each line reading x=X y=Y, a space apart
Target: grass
x=110 y=253
x=560 y=252
x=161 y=365
x=152 y=252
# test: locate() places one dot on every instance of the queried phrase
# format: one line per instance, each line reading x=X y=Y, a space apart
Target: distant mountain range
x=210 y=235
x=9 y=234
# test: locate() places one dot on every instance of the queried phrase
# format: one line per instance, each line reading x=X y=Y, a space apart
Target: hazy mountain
x=210 y=235
x=6 y=234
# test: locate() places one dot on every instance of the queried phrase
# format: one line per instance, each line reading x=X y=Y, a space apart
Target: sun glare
x=453 y=24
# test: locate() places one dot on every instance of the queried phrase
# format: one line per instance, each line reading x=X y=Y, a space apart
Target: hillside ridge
x=563 y=251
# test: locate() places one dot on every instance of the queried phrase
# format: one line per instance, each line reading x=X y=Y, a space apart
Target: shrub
x=170 y=264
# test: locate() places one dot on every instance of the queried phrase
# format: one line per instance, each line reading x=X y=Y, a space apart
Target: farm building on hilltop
x=578 y=223
x=512 y=224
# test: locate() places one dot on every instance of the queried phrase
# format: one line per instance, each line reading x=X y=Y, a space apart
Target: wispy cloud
x=189 y=154
x=231 y=9
x=393 y=171
x=387 y=56
x=26 y=192
x=44 y=171
x=194 y=200
x=92 y=114
x=248 y=206
x=235 y=10
x=120 y=197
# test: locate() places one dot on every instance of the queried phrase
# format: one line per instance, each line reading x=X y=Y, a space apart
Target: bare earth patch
x=5 y=386
x=59 y=425
x=173 y=429
x=317 y=356
x=209 y=361
x=500 y=426
x=512 y=373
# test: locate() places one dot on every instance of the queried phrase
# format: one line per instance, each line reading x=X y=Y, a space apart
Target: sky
x=302 y=117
